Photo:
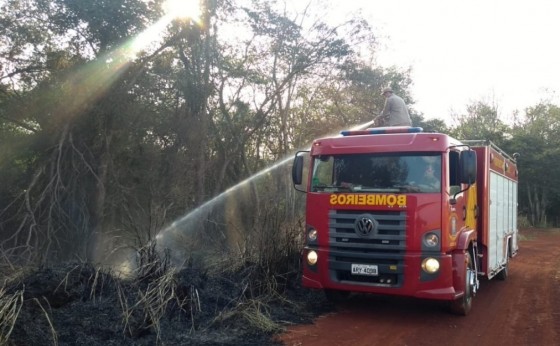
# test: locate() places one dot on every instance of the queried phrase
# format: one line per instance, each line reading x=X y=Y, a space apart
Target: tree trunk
x=538 y=201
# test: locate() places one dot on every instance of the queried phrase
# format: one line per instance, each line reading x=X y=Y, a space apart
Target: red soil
x=522 y=310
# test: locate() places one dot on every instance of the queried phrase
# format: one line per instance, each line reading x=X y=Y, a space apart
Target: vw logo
x=365 y=225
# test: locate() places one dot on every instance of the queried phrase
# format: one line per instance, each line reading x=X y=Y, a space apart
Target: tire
x=463 y=305
x=336 y=296
x=504 y=273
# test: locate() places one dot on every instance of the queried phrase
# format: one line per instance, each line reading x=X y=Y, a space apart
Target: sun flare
x=183 y=9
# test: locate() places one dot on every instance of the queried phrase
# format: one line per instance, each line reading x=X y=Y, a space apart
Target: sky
x=505 y=52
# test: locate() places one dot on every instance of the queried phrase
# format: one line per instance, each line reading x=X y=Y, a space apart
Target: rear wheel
x=504 y=273
x=463 y=305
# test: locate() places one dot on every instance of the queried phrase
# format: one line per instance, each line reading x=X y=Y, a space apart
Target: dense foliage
x=535 y=136
x=108 y=134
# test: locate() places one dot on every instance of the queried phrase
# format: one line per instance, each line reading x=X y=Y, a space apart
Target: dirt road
x=523 y=310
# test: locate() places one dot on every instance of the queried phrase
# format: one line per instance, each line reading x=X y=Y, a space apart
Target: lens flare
x=183 y=9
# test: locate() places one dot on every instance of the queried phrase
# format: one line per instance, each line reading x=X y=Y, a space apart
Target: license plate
x=364 y=269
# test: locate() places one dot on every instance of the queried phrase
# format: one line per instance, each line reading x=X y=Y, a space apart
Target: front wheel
x=463 y=305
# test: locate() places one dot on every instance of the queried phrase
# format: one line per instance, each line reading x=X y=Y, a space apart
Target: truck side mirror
x=297 y=170
x=467 y=164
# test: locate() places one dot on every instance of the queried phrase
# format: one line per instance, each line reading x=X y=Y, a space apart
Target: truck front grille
x=385 y=247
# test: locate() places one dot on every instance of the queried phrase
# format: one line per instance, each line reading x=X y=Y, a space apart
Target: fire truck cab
x=399 y=211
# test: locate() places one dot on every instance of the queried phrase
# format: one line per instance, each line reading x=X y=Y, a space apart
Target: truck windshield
x=418 y=173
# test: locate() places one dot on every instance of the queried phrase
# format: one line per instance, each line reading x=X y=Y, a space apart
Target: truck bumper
x=414 y=284
x=446 y=293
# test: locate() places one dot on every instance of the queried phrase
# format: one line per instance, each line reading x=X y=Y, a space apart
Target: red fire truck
x=399 y=211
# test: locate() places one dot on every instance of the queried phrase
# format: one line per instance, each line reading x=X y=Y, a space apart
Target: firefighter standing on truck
x=395 y=111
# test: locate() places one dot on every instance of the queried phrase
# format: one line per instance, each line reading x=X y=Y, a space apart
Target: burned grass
x=78 y=304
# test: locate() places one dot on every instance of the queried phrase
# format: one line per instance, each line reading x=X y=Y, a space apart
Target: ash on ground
x=77 y=304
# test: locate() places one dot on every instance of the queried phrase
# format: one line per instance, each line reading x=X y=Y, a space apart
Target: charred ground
x=77 y=304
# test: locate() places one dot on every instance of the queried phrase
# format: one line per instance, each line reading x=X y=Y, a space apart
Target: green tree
x=71 y=92
x=430 y=125
x=350 y=97
x=536 y=137
x=480 y=122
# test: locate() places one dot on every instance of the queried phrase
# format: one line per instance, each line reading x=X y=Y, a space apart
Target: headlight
x=430 y=265
x=312 y=235
x=431 y=240
x=312 y=257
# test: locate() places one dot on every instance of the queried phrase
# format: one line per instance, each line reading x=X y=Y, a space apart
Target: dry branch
x=10 y=306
